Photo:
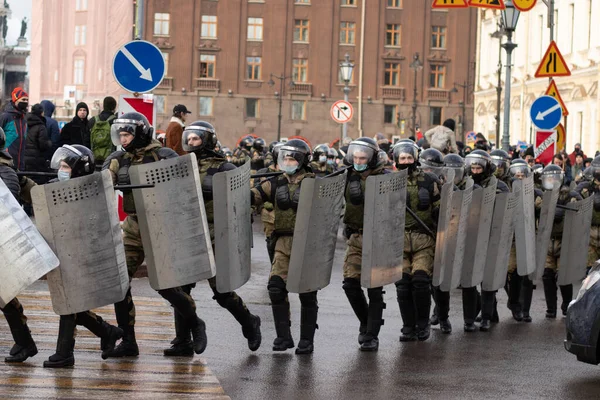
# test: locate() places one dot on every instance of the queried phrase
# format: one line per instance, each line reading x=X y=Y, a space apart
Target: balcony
x=211 y=85
x=301 y=88
x=438 y=94
x=393 y=92
x=166 y=84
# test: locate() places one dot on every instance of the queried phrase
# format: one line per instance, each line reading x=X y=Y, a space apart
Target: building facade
x=225 y=59
x=72 y=47
x=577 y=37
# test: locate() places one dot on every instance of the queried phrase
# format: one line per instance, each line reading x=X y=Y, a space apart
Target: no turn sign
x=342 y=111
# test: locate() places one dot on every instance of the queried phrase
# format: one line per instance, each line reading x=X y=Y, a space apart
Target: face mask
x=64 y=176
x=322 y=159
x=331 y=162
x=477 y=178
x=360 y=167
x=289 y=169
x=22 y=106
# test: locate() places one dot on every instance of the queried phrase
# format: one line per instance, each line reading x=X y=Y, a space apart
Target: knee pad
x=403 y=286
x=375 y=295
x=351 y=285
x=223 y=298
x=277 y=290
x=308 y=300
x=549 y=274
x=421 y=281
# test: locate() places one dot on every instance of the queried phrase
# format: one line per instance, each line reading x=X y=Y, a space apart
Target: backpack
x=100 y=139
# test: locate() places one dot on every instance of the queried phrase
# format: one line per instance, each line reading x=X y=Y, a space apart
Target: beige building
x=72 y=48
x=576 y=32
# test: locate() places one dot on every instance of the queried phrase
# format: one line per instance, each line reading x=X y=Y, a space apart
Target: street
x=514 y=360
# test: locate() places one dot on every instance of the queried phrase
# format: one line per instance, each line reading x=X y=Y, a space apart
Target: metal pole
x=140 y=19
x=509 y=46
x=414 y=107
x=499 y=93
x=345 y=125
x=280 y=104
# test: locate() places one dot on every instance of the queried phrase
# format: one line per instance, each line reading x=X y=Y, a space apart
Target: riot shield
x=233 y=227
x=26 y=256
x=501 y=236
x=457 y=235
x=524 y=220
x=542 y=239
x=173 y=222
x=80 y=221
x=315 y=233
x=575 y=242
x=443 y=230
x=383 y=229
x=478 y=234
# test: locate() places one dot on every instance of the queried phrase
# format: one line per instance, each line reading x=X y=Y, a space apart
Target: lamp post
x=346 y=68
x=271 y=83
x=416 y=65
x=498 y=35
x=510 y=17
x=462 y=104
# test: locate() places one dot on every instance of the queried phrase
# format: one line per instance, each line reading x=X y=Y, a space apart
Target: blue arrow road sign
x=138 y=66
x=546 y=112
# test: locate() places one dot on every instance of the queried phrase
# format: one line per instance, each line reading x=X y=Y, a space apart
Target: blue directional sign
x=138 y=66
x=546 y=112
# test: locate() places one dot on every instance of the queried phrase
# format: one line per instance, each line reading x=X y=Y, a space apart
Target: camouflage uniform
x=321 y=170
x=240 y=156
x=267 y=216
x=118 y=164
x=587 y=188
x=369 y=314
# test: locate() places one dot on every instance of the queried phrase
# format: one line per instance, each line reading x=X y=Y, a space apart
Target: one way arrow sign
x=139 y=66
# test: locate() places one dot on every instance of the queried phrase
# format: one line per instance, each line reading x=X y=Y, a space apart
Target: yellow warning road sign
x=524 y=5
x=449 y=4
x=553 y=91
x=494 y=4
x=552 y=64
x=561 y=137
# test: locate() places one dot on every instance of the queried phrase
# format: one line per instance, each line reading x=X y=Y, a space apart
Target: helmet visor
x=67 y=154
x=404 y=152
x=123 y=129
x=551 y=181
x=193 y=138
x=459 y=173
x=475 y=163
x=519 y=171
x=359 y=154
x=287 y=156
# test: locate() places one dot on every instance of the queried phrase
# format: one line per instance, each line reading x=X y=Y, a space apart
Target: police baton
x=566 y=208
x=336 y=173
x=130 y=187
x=266 y=174
x=420 y=221
x=32 y=173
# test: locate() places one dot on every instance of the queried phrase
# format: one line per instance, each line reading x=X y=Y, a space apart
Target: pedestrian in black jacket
x=37 y=142
x=77 y=131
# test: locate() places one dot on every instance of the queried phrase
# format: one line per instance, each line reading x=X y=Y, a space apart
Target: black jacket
x=8 y=174
x=37 y=144
x=77 y=131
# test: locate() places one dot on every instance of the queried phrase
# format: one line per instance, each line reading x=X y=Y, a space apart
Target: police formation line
x=474 y=222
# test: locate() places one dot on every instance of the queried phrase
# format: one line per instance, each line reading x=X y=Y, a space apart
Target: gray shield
x=173 y=222
x=575 y=242
x=315 y=233
x=233 y=227
x=524 y=220
x=478 y=234
x=383 y=229
x=442 y=240
x=542 y=239
x=457 y=235
x=501 y=236
x=26 y=256
x=80 y=221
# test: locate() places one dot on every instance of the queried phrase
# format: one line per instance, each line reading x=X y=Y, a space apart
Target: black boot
x=527 y=294
x=281 y=314
x=469 y=300
x=374 y=320
x=358 y=302
x=549 y=280
x=182 y=345
x=442 y=301
x=125 y=313
x=199 y=335
x=514 y=293
x=24 y=345
x=64 y=345
x=488 y=301
x=422 y=300
x=250 y=323
x=407 y=309
x=308 y=322
x=107 y=333
x=566 y=292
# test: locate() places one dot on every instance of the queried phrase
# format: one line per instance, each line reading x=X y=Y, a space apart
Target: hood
x=440 y=129
x=10 y=108
x=33 y=120
x=48 y=108
x=82 y=105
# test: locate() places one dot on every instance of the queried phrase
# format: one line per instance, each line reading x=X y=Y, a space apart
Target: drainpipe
x=362 y=63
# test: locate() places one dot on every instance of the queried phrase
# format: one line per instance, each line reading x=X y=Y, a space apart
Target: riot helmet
x=227 y=153
x=406 y=155
x=247 y=142
x=362 y=154
x=332 y=156
x=218 y=146
x=73 y=161
x=432 y=160
x=137 y=126
x=519 y=169
x=259 y=145
x=479 y=165
x=552 y=177
x=198 y=136
x=320 y=153
x=595 y=168
x=272 y=144
x=457 y=164
x=292 y=156
x=501 y=160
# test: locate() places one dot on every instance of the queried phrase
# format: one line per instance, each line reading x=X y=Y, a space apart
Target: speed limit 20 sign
x=341 y=111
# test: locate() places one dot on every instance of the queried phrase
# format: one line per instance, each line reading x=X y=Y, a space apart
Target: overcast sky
x=20 y=9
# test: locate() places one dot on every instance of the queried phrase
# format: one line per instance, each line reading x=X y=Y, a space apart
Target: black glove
x=296 y=198
x=347 y=232
x=207 y=189
x=357 y=197
x=435 y=214
x=596 y=201
x=559 y=214
x=424 y=199
x=282 y=195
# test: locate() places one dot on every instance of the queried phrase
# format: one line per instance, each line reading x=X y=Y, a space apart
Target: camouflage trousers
x=353 y=258
x=553 y=255
x=281 y=260
x=512 y=258
x=594 y=248
x=419 y=252
x=134 y=256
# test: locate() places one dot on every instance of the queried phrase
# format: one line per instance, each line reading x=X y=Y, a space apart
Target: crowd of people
x=78 y=149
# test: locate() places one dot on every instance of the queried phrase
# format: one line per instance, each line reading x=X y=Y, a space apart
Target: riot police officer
x=363 y=156
x=132 y=132
x=413 y=290
x=501 y=160
x=590 y=186
x=267 y=214
x=243 y=152
x=319 y=164
x=284 y=192
x=258 y=154
x=332 y=156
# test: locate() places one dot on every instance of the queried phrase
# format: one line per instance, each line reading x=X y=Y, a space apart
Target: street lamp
x=279 y=95
x=462 y=104
x=498 y=35
x=510 y=17
x=416 y=65
x=346 y=68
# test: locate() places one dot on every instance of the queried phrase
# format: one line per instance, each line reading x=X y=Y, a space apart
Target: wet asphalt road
x=513 y=361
